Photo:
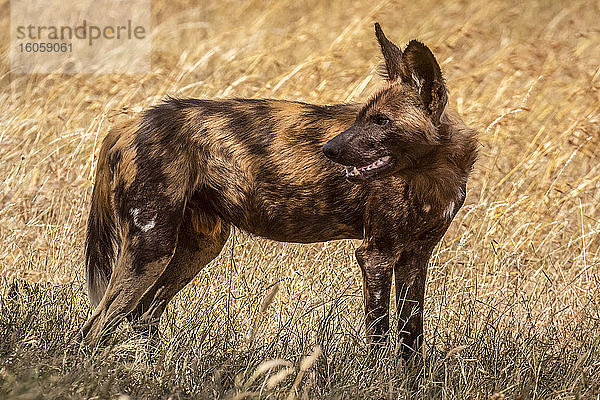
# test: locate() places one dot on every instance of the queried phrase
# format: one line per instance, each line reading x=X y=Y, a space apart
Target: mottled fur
x=170 y=184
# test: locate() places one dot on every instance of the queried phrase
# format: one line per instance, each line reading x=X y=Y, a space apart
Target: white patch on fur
x=427 y=207
x=449 y=212
x=377 y=295
x=148 y=225
x=461 y=194
x=418 y=83
x=145 y=227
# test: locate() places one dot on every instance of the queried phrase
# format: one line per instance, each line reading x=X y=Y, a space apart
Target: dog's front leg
x=377 y=269
x=410 y=273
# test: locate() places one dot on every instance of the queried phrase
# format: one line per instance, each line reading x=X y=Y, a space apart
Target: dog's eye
x=381 y=120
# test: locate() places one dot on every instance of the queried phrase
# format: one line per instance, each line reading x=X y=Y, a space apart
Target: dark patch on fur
x=255 y=139
x=114 y=159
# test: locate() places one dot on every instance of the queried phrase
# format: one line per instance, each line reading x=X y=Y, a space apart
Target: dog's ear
x=391 y=54
x=421 y=70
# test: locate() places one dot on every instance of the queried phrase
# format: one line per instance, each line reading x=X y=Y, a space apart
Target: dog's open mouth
x=358 y=174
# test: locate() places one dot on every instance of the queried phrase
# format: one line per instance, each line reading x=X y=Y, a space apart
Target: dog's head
x=399 y=127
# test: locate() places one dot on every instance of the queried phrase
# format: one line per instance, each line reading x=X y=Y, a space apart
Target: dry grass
x=513 y=297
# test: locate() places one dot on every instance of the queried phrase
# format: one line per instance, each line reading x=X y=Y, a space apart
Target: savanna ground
x=513 y=296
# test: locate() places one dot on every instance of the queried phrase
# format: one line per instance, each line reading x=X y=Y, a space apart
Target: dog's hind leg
x=197 y=245
x=148 y=242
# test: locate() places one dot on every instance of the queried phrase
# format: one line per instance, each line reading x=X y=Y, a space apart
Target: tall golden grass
x=513 y=297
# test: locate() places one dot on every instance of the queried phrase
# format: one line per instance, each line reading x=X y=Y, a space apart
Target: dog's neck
x=440 y=180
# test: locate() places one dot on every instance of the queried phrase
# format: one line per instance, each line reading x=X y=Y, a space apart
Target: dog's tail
x=102 y=241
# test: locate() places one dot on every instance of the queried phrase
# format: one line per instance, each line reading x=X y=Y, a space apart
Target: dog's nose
x=331 y=150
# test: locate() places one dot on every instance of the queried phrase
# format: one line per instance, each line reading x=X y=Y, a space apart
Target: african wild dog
x=170 y=184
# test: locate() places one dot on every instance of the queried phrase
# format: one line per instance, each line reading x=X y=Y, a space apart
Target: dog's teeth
x=351 y=171
x=354 y=171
